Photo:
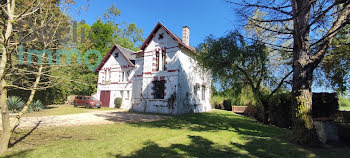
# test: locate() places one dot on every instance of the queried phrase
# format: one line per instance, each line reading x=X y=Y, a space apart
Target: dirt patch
x=90 y=118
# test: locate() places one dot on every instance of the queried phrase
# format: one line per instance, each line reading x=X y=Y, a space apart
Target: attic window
x=116 y=55
x=161 y=36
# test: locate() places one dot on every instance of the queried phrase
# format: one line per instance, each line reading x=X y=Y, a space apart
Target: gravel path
x=91 y=118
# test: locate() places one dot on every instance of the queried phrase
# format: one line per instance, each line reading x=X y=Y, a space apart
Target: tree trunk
x=6 y=128
x=266 y=111
x=303 y=129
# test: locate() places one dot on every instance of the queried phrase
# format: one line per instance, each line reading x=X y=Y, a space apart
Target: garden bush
x=36 y=106
x=219 y=106
x=118 y=102
x=280 y=110
x=324 y=104
x=344 y=103
x=227 y=105
x=15 y=104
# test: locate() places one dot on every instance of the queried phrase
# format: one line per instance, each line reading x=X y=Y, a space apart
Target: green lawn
x=62 y=110
x=215 y=134
x=344 y=104
x=344 y=108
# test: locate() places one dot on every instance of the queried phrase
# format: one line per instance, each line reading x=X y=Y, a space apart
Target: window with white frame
x=107 y=76
x=163 y=60
x=196 y=89
x=160 y=60
x=157 y=60
x=203 y=92
x=127 y=95
x=123 y=76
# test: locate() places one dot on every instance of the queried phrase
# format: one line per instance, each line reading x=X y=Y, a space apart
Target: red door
x=105 y=97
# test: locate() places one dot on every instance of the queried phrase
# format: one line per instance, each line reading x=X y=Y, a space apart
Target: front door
x=105 y=97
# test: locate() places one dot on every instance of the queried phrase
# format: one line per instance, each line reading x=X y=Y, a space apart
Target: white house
x=162 y=78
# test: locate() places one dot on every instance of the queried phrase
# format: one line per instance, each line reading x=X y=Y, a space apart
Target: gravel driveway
x=91 y=118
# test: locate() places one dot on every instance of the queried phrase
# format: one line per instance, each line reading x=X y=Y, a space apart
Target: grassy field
x=62 y=110
x=215 y=134
x=344 y=104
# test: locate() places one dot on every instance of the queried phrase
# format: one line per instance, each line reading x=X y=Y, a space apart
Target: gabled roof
x=126 y=53
x=176 y=38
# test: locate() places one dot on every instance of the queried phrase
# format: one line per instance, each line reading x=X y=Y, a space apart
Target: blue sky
x=204 y=17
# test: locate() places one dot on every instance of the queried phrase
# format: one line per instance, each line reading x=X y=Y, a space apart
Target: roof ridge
x=124 y=48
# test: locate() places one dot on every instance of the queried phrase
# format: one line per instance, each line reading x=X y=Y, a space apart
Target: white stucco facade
x=115 y=77
x=164 y=78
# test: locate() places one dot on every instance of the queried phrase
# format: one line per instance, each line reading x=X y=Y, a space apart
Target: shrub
x=118 y=102
x=219 y=106
x=216 y=100
x=280 y=110
x=15 y=104
x=227 y=105
x=324 y=104
x=344 y=102
x=259 y=112
x=36 y=106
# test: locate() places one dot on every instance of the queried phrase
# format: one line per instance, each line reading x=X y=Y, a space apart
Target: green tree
x=336 y=63
x=236 y=64
x=314 y=25
x=101 y=36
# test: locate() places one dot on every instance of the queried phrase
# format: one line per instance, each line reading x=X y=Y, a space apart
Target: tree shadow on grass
x=50 y=107
x=261 y=140
x=23 y=137
x=121 y=116
x=22 y=153
x=201 y=147
x=215 y=121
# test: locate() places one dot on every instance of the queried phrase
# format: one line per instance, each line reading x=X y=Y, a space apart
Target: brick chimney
x=186 y=35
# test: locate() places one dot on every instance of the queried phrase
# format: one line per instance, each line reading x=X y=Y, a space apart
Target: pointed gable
x=176 y=38
x=129 y=55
